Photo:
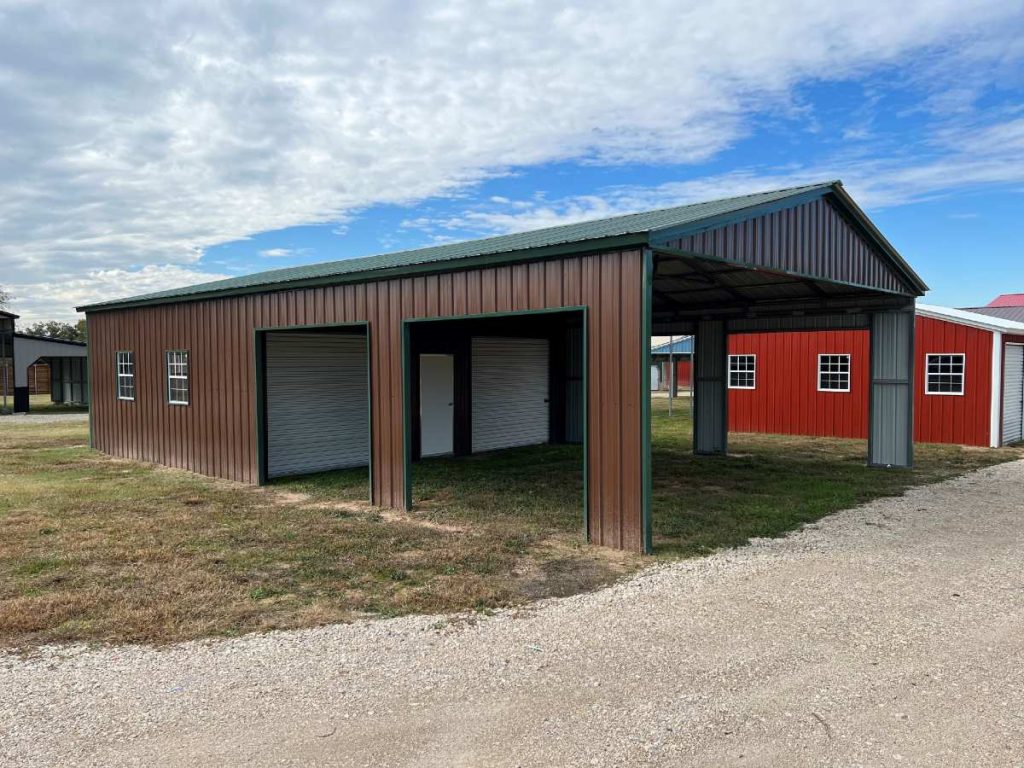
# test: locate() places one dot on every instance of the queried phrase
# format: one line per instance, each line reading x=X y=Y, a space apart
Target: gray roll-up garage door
x=509 y=392
x=1013 y=395
x=317 y=411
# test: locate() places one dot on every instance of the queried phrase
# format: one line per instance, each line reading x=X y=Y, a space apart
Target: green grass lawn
x=43 y=404
x=93 y=548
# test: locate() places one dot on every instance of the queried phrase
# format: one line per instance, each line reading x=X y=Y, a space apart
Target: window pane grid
x=177 y=378
x=834 y=373
x=125 y=362
x=944 y=374
x=742 y=371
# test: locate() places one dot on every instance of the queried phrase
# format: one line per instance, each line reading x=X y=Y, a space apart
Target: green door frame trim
x=89 y=373
x=260 y=363
x=647 y=301
x=583 y=309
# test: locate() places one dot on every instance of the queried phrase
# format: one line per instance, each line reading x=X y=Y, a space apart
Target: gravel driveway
x=890 y=634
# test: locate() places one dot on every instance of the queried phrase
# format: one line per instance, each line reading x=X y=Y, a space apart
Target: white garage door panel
x=1013 y=395
x=510 y=392
x=317 y=413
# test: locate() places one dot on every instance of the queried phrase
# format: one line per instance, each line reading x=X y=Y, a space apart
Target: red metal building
x=968 y=380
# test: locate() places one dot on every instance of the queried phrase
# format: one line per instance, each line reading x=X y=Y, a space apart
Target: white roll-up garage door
x=509 y=392
x=1013 y=394
x=317 y=411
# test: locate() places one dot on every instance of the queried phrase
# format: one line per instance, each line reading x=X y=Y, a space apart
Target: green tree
x=5 y=297
x=55 y=329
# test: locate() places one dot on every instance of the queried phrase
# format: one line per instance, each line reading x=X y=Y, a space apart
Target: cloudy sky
x=148 y=145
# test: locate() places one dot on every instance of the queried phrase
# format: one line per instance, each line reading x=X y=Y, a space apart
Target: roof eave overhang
x=981 y=323
x=624 y=241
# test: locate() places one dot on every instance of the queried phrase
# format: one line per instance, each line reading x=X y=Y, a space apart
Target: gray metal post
x=671 y=374
x=891 y=408
x=710 y=401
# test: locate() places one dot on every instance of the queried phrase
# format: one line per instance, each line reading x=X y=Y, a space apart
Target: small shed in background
x=1009 y=306
x=674 y=351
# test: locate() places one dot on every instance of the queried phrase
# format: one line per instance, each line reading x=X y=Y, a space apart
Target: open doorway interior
x=497 y=410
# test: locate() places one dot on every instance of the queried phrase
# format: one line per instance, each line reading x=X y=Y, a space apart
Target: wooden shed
x=530 y=337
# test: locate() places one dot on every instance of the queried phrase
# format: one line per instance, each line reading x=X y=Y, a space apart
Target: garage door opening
x=313 y=401
x=495 y=412
x=1013 y=394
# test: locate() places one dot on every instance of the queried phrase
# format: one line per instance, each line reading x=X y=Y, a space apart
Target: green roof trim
x=629 y=230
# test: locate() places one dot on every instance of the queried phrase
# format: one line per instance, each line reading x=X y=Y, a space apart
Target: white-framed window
x=742 y=371
x=944 y=374
x=177 y=377
x=833 y=373
x=125 y=375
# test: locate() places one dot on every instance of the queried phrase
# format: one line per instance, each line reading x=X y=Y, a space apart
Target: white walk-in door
x=1013 y=394
x=437 y=404
x=510 y=392
x=317 y=402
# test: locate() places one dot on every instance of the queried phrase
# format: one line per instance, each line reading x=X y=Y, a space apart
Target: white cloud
x=283 y=253
x=967 y=157
x=35 y=301
x=140 y=134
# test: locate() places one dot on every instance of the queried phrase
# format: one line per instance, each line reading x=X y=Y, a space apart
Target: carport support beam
x=710 y=401
x=891 y=411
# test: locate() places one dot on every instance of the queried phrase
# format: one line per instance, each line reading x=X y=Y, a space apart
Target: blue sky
x=147 y=148
x=963 y=238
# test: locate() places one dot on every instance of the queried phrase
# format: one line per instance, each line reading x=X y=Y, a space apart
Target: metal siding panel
x=316 y=402
x=710 y=403
x=890 y=430
x=959 y=419
x=215 y=434
x=1013 y=394
x=574 y=386
x=811 y=239
x=509 y=392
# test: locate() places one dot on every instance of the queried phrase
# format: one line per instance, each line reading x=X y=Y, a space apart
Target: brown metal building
x=199 y=378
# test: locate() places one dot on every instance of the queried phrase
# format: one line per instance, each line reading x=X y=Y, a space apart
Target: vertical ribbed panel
x=69 y=380
x=812 y=239
x=1013 y=394
x=710 y=404
x=509 y=392
x=891 y=412
x=574 y=411
x=215 y=434
x=317 y=402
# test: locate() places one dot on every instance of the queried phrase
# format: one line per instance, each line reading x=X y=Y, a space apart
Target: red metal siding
x=216 y=435
x=787 y=400
x=683 y=368
x=960 y=419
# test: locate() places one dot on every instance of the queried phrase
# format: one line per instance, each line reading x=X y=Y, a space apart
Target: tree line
x=54 y=329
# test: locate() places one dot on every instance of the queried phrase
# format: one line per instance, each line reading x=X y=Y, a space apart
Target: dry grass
x=96 y=549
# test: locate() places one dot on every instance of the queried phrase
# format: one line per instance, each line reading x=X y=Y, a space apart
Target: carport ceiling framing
x=688 y=287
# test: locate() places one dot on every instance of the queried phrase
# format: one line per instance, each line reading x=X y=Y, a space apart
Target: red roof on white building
x=1008 y=300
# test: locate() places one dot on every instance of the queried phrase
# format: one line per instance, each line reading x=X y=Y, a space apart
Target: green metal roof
x=630 y=229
